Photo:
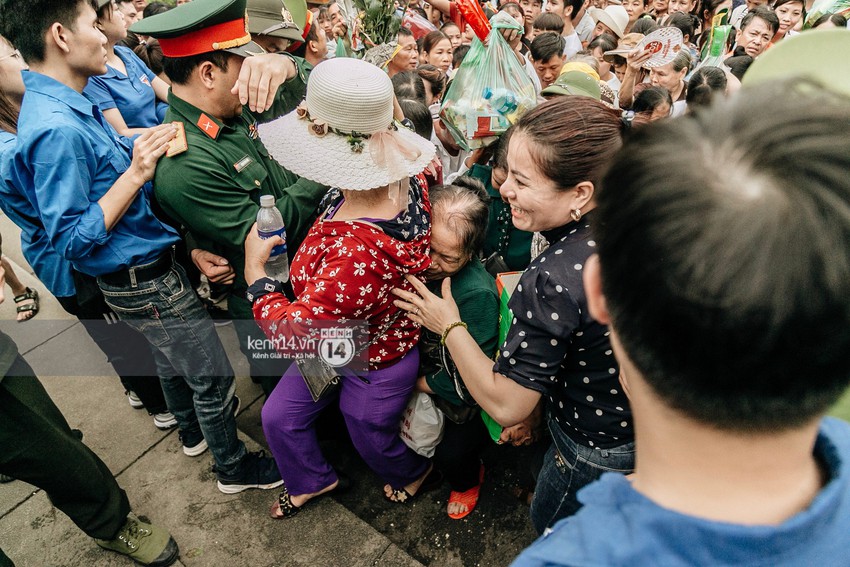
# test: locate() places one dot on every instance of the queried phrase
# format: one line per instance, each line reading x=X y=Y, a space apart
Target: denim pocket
x=171 y=285
x=144 y=319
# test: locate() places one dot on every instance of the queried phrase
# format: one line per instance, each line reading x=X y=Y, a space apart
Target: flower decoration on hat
x=356 y=140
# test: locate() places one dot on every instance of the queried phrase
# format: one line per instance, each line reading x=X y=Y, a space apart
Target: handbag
x=322 y=378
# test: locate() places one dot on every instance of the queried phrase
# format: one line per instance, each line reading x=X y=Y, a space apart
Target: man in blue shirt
x=728 y=298
x=93 y=200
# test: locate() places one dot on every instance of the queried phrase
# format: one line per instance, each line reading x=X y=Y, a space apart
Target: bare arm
x=634 y=64
x=113 y=116
x=444 y=6
x=506 y=401
x=160 y=87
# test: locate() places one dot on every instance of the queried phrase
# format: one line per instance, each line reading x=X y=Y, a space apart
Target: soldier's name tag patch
x=243 y=163
x=177 y=144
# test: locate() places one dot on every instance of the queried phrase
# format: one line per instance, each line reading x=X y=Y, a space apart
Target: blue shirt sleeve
x=62 y=183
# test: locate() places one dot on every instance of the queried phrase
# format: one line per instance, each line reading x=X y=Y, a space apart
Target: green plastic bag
x=489 y=92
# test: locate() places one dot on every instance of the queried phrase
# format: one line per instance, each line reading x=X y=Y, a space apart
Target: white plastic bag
x=422 y=424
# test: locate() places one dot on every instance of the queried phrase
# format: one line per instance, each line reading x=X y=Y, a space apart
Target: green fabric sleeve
x=479 y=309
x=290 y=93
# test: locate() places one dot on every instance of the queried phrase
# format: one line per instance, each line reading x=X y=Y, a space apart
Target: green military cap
x=277 y=18
x=101 y=3
x=201 y=26
x=574 y=83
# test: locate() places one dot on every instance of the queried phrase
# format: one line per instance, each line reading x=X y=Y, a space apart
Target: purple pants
x=372 y=414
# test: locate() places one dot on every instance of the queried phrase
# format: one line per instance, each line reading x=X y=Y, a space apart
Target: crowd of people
x=680 y=317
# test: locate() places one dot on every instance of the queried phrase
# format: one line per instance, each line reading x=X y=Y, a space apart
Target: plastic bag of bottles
x=489 y=92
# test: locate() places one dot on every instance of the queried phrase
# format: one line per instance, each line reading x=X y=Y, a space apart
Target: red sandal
x=468 y=498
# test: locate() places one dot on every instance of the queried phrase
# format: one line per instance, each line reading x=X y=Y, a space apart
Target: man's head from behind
x=723 y=258
x=38 y=27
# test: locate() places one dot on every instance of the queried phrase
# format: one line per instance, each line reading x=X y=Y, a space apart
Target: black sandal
x=401 y=496
x=288 y=509
x=29 y=295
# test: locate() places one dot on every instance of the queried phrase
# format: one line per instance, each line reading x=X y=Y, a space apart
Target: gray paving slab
x=211 y=528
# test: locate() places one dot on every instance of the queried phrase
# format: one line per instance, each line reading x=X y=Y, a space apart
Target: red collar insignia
x=208 y=126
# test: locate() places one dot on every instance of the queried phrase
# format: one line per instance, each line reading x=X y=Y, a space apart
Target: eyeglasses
x=15 y=55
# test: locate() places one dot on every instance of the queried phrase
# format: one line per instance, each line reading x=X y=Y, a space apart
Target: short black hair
x=179 y=69
x=409 y=85
x=763 y=12
x=576 y=4
x=458 y=54
x=604 y=41
x=25 y=22
x=650 y=98
x=738 y=65
x=686 y=23
x=722 y=238
x=403 y=31
x=547 y=45
x=155 y=8
x=644 y=25
x=419 y=115
x=547 y=21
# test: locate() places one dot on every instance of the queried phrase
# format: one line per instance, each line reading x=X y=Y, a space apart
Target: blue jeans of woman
x=194 y=371
x=567 y=468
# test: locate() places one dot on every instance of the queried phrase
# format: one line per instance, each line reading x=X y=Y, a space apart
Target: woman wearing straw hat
x=373 y=230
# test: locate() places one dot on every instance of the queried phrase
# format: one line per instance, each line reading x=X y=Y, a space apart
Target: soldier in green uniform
x=212 y=184
x=278 y=26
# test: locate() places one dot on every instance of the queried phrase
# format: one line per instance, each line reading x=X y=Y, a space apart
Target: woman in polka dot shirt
x=554 y=349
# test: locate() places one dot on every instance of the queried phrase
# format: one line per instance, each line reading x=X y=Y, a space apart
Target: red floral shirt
x=345 y=270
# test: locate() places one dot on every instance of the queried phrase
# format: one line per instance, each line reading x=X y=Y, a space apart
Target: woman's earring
x=576 y=214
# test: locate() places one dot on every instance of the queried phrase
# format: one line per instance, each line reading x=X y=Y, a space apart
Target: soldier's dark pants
x=40 y=448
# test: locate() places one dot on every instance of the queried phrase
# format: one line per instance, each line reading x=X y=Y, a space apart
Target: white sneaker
x=135 y=401
x=164 y=420
x=195 y=450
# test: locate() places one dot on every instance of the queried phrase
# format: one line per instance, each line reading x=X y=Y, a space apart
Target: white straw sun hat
x=614 y=16
x=343 y=134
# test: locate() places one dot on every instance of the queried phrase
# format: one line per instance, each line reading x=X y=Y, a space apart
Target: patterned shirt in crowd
x=554 y=346
x=345 y=270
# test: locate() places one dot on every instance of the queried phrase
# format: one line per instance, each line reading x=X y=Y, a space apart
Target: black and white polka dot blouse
x=554 y=347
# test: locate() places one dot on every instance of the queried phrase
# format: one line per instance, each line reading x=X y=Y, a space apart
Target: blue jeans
x=568 y=467
x=193 y=368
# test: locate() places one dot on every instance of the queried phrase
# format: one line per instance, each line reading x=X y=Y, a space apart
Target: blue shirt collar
x=48 y=86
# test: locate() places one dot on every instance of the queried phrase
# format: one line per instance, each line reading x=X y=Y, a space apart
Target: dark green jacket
x=512 y=244
x=213 y=189
x=474 y=291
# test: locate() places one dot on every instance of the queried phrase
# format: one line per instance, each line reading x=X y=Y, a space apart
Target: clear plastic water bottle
x=269 y=224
